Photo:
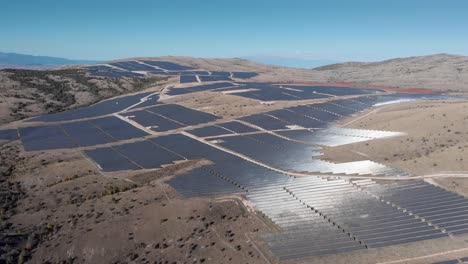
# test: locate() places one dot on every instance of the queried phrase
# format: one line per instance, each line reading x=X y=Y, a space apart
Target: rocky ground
x=50 y=215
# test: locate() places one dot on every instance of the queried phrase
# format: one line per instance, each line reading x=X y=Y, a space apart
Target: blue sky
x=337 y=30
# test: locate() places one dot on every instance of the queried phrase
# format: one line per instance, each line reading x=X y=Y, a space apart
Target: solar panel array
x=272 y=92
x=199 y=88
x=78 y=134
x=187 y=75
x=320 y=216
x=9 y=134
x=334 y=136
x=102 y=108
x=229 y=128
x=131 y=156
x=294 y=156
x=317 y=115
x=443 y=209
x=188 y=78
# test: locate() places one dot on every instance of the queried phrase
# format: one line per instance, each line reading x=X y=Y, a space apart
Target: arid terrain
x=58 y=207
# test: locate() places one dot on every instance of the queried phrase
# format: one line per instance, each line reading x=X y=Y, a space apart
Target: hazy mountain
x=15 y=60
x=291 y=61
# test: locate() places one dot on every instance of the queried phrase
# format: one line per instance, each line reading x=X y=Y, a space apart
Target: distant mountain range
x=292 y=62
x=16 y=60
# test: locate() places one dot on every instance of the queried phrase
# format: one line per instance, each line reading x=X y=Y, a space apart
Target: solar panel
x=209 y=131
x=146 y=154
x=200 y=182
x=221 y=73
x=199 y=88
x=168 y=65
x=265 y=122
x=237 y=127
x=213 y=78
x=45 y=137
x=132 y=66
x=117 y=128
x=153 y=121
x=295 y=118
x=244 y=75
x=109 y=160
x=9 y=134
x=102 y=108
x=188 y=79
x=86 y=134
x=182 y=114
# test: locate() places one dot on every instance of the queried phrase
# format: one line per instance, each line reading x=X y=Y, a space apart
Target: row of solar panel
x=305 y=232
x=102 y=108
x=344 y=204
x=304 y=206
x=446 y=210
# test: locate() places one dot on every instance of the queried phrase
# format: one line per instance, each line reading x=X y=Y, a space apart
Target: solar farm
x=315 y=208
x=187 y=74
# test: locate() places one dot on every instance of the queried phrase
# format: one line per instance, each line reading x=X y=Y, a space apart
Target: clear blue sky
x=331 y=29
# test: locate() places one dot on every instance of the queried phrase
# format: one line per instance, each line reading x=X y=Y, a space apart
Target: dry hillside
x=27 y=93
x=440 y=72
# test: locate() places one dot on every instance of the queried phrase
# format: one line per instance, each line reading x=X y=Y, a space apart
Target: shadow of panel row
x=102 y=108
x=446 y=210
x=169 y=117
x=200 y=88
x=368 y=219
x=78 y=134
x=270 y=149
x=9 y=134
x=222 y=129
x=132 y=156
